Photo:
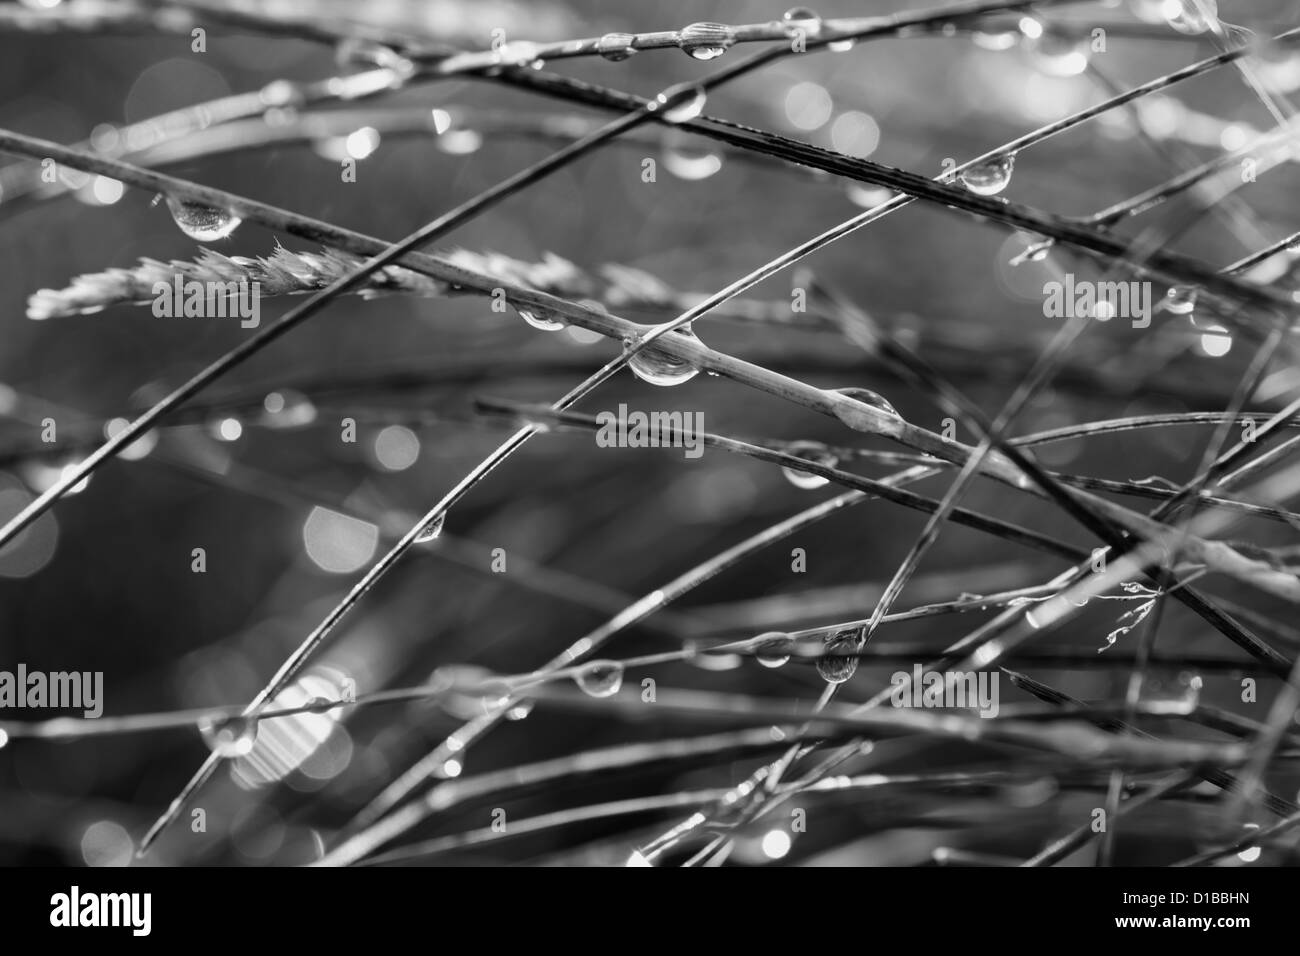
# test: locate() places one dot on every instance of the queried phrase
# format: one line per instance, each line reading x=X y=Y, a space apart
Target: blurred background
x=256 y=471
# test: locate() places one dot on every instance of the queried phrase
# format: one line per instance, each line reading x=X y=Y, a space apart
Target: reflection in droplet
x=706 y=41
x=659 y=368
x=202 y=222
x=813 y=452
x=991 y=177
x=600 y=678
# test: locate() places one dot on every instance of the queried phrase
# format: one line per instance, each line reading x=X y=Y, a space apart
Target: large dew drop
x=542 y=319
x=201 y=222
x=431 y=530
x=706 y=41
x=600 y=678
x=990 y=178
x=773 y=648
x=836 y=670
x=659 y=368
x=229 y=737
x=803 y=480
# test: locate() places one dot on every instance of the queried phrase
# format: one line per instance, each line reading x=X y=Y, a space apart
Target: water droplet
x=810 y=451
x=450 y=769
x=680 y=104
x=995 y=41
x=773 y=648
x=1185 y=16
x=990 y=178
x=868 y=197
x=431 y=530
x=543 y=319
x=201 y=222
x=4 y=738
x=1036 y=251
x=691 y=164
x=1181 y=299
x=354 y=54
x=836 y=670
x=616 y=46
x=802 y=20
x=520 y=710
x=600 y=678
x=659 y=368
x=842 y=46
x=706 y=41
x=229 y=736
x=867 y=397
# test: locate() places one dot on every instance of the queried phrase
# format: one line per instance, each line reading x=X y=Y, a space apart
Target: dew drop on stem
x=431 y=530
x=616 y=46
x=867 y=397
x=202 y=222
x=706 y=41
x=773 y=648
x=680 y=104
x=542 y=319
x=991 y=177
x=659 y=368
x=835 y=669
x=600 y=678
x=520 y=710
x=803 y=480
x=229 y=737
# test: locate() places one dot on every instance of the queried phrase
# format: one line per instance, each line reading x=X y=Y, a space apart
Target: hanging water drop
x=834 y=669
x=867 y=397
x=542 y=319
x=810 y=451
x=868 y=197
x=229 y=736
x=202 y=222
x=431 y=530
x=680 y=104
x=1036 y=251
x=691 y=164
x=520 y=710
x=706 y=41
x=1181 y=300
x=600 y=678
x=616 y=46
x=773 y=648
x=842 y=46
x=990 y=178
x=659 y=368
x=802 y=20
